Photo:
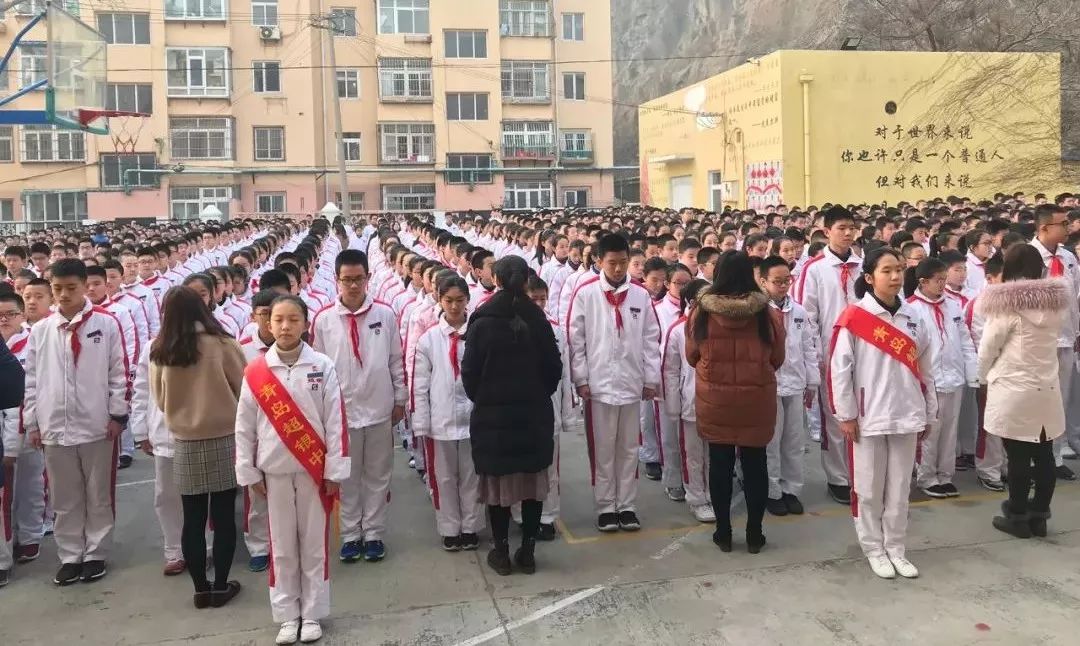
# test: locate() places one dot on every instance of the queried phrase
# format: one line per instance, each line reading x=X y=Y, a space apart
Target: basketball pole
x=326 y=23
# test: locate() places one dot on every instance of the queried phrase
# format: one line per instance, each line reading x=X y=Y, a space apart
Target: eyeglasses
x=10 y=314
x=353 y=281
x=781 y=282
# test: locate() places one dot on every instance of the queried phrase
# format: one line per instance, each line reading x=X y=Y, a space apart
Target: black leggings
x=221 y=508
x=755 y=484
x=1022 y=456
x=530 y=521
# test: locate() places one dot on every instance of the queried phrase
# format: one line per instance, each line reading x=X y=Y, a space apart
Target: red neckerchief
x=616 y=301
x=936 y=306
x=73 y=328
x=454 y=339
x=1057 y=268
x=354 y=332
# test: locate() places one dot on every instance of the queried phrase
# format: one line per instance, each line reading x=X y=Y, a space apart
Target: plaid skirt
x=204 y=466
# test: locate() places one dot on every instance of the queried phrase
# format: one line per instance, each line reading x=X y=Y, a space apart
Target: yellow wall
x=995 y=118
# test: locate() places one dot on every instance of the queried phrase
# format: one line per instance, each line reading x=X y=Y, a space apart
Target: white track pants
x=669 y=439
x=82 y=480
x=936 y=455
x=881 y=472
x=613 y=434
x=1066 y=369
x=784 y=453
x=365 y=496
x=651 y=448
x=455 y=487
x=833 y=455
x=28 y=497
x=167 y=505
x=256 y=525
x=299 y=540
x=989 y=451
x=694 y=454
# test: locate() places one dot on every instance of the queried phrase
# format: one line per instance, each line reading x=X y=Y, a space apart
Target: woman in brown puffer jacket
x=735 y=342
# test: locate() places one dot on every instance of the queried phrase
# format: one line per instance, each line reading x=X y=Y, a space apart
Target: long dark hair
x=513 y=273
x=1022 y=262
x=177 y=343
x=926 y=269
x=734 y=277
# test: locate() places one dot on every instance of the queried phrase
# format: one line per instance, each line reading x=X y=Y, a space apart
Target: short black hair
x=350 y=257
x=273 y=278
x=96 y=270
x=769 y=262
x=11 y=297
x=264 y=298
x=656 y=263
x=837 y=214
x=951 y=257
x=68 y=268
x=612 y=243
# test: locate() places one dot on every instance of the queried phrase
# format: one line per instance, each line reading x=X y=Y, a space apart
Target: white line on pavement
x=131 y=484
x=536 y=616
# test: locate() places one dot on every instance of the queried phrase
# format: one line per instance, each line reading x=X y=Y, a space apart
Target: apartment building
x=446 y=104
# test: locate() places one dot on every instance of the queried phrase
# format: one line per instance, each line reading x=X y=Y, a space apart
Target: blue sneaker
x=258 y=563
x=374 y=551
x=351 y=551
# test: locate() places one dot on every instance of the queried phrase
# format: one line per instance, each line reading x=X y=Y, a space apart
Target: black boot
x=1013 y=524
x=525 y=557
x=722 y=540
x=1037 y=522
x=755 y=540
x=499 y=558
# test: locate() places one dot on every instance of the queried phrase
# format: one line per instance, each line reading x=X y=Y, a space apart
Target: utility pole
x=326 y=23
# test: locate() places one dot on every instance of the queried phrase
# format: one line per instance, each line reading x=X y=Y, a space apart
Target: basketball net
x=124 y=131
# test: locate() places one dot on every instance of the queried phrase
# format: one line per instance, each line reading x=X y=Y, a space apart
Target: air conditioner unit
x=270 y=33
x=418 y=38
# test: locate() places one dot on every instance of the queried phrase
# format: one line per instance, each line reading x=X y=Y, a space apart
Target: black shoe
x=201 y=600
x=546 y=533
x=794 y=505
x=1013 y=525
x=969 y=460
x=628 y=521
x=1065 y=473
x=653 y=470
x=1037 y=522
x=754 y=542
x=469 y=542
x=840 y=493
x=776 y=506
x=950 y=490
x=991 y=485
x=68 y=573
x=219 y=598
x=961 y=463
x=608 y=522
x=451 y=543
x=125 y=462
x=5 y=576
x=92 y=571
x=935 y=491
x=499 y=560
x=723 y=541
x=525 y=558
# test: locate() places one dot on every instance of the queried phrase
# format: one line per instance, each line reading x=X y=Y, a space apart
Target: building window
x=475 y=169
x=125 y=28
x=7 y=210
x=34 y=7
x=573 y=26
x=270 y=202
x=525 y=81
x=527 y=195
x=54 y=207
x=198 y=72
x=576 y=144
x=407 y=143
x=348 y=84
x=404 y=17
x=356 y=201
x=195 y=9
x=574 y=86
x=344 y=21
x=528 y=139
x=114 y=167
x=466 y=106
x=270 y=144
x=187 y=202
x=49 y=144
x=131 y=97
x=466 y=44
x=32 y=65
x=350 y=141
x=408 y=197
x=716 y=190
x=405 y=79
x=264 y=13
x=525 y=17
x=267 y=76
x=7 y=143
x=201 y=137
x=575 y=197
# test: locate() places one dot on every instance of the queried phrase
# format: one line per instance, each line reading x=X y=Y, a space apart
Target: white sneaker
x=904 y=567
x=288 y=633
x=703 y=513
x=882 y=566
x=310 y=631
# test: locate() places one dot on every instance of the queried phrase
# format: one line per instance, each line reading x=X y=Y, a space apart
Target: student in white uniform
x=76 y=407
x=668 y=309
x=292 y=446
x=797 y=381
x=360 y=335
x=441 y=418
x=679 y=390
x=615 y=364
x=954 y=369
x=880 y=377
x=989 y=451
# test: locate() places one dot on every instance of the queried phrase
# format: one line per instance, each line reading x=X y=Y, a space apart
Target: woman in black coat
x=510 y=369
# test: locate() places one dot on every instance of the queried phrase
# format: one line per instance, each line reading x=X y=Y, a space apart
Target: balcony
x=511 y=152
x=576 y=156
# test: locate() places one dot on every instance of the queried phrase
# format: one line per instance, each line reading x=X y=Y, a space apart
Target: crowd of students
x=355 y=333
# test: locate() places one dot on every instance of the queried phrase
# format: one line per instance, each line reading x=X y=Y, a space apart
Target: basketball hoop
x=123 y=126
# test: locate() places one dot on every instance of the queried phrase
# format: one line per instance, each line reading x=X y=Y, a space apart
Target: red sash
x=293 y=429
x=880 y=334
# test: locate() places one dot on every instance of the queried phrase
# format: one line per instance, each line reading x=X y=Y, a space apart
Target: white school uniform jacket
x=956 y=364
x=11 y=418
x=566 y=293
x=975 y=322
x=668 y=309
x=375 y=383
x=976 y=274
x=1070 y=327
x=555 y=286
x=801 y=369
x=231 y=325
x=132 y=344
x=158 y=284
x=137 y=312
x=70 y=399
x=147 y=422
x=313 y=384
x=442 y=408
x=877 y=390
x=616 y=365
x=562 y=400
x=149 y=301
x=679 y=377
x=821 y=293
x=253 y=346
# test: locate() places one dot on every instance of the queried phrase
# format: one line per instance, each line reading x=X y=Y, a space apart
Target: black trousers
x=1030 y=462
x=755 y=484
x=220 y=507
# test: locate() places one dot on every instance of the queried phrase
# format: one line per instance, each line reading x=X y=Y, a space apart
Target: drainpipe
x=805 y=80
